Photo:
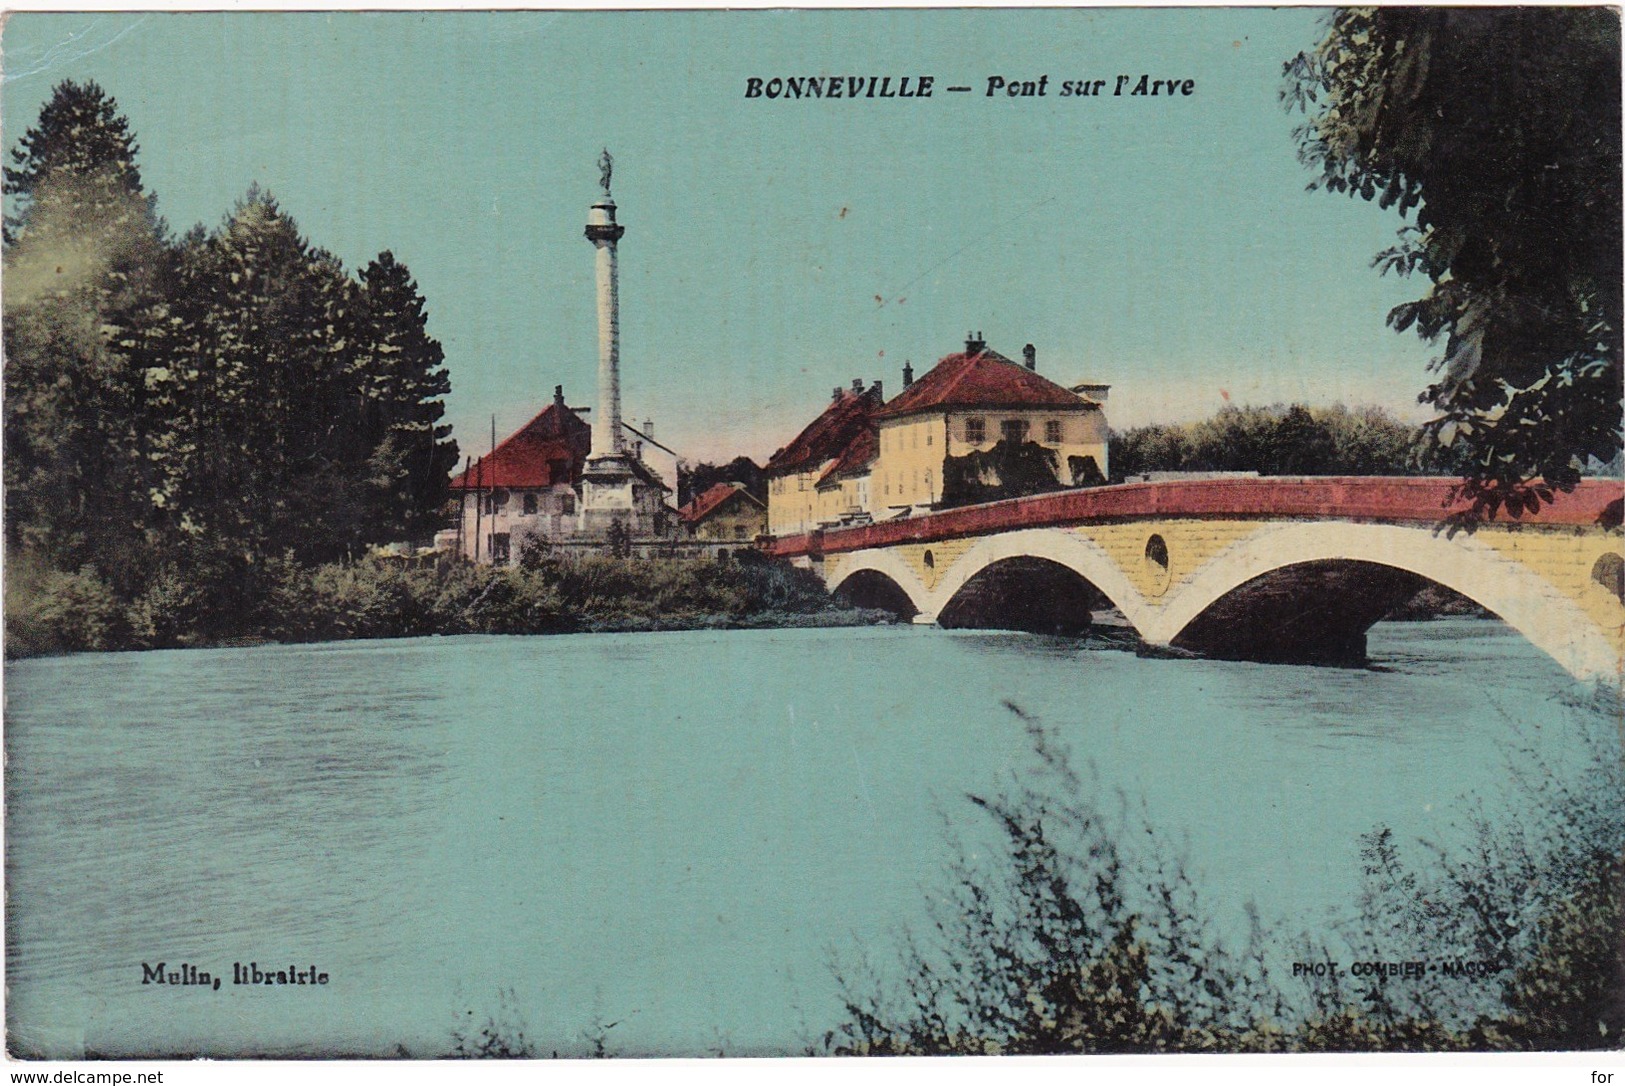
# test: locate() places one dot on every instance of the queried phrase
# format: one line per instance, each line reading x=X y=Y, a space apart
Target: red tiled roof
x=848 y=417
x=712 y=500
x=859 y=453
x=983 y=379
x=527 y=457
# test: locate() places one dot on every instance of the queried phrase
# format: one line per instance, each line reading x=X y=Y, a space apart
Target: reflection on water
x=662 y=830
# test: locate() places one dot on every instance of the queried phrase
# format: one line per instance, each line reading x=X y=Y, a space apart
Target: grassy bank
x=49 y=611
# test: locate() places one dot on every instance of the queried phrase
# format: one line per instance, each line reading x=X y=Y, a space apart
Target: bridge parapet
x=1429 y=501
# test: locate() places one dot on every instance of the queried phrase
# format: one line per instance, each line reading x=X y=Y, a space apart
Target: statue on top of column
x=606 y=166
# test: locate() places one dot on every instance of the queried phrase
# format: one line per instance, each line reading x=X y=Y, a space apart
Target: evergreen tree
x=401 y=382
x=183 y=418
x=84 y=257
x=82 y=138
x=267 y=447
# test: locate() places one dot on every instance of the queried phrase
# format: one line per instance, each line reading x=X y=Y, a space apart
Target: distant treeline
x=183 y=412
x=1295 y=440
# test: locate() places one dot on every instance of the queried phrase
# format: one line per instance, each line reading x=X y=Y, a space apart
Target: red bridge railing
x=1403 y=500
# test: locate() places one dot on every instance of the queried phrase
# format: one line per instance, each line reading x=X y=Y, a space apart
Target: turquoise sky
x=777 y=248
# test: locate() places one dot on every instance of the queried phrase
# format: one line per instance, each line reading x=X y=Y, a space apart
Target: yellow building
x=813 y=481
x=967 y=404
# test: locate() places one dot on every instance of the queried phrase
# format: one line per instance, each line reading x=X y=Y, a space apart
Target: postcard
x=784 y=533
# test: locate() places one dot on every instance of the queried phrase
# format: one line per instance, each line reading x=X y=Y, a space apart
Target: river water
x=659 y=838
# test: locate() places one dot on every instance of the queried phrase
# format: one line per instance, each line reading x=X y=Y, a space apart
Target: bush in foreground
x=1076 y=932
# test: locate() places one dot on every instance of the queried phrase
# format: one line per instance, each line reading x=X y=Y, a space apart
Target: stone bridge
x=1275 y=569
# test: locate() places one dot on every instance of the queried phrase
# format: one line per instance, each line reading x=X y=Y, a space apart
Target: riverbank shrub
x=207 y=600
x=1073 y=929
x=49 y=611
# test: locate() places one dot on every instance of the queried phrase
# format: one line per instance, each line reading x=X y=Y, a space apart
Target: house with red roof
x=726 y=513
x=529 y=486
x=814 y=480
x=969 y=403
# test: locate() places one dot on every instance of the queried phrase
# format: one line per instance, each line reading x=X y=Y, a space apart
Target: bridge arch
x=1082 y=556
x=872 y=571
x=1523 y=600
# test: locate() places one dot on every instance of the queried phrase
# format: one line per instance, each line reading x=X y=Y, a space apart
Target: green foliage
x=84 y=253
x=1538 y=899
x=1295 y=440
x=1072 y=930
x=1571 y=994
x=208 y=595
x=80 y=137
x=1010 y=469
x=181 y=415
x=402 y=386
x=1068 y=931
x=1510 y=174
x=48 y=611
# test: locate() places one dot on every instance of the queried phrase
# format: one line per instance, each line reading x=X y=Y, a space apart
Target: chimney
x=649 y=428
x=835 y=394
x=1029 y=354
x=974 y=343
x=908 y=375
x=857 y=384
x=876 y=393
x=558 y=396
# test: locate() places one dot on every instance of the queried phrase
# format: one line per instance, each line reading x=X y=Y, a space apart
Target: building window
x=530 y=505
x=1052 y=431
x=499 y=547
x=1014 y=430
x=975 y=431
x=801 y=482
x=740 y=531
x=567 y=504
x=928 y=439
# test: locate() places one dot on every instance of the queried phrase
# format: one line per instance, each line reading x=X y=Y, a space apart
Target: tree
x=85 y=256
x=81 y=136
x=268 y=453
x=1295 y=440
x=1499 y=128
x=401 y=381
x=1010 y=469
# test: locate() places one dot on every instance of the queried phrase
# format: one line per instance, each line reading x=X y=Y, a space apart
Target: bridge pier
x=923 y=619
